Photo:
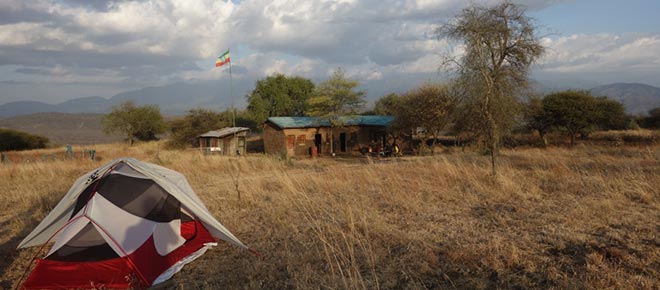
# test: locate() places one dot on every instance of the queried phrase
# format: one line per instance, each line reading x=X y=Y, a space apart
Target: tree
x=184 y=131
x=279 y=95
x=500 y=46
x=610 y=114
x=537 y=118
x=573 y=112
x=652 y=121
x=17 y=140
x=387 y=105
x=429 y=106
x=136 y=122
x=336 y=97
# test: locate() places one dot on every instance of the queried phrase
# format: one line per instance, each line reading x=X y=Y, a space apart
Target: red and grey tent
x=125 y=224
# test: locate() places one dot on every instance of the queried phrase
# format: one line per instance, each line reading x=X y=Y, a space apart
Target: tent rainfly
x=127 y=224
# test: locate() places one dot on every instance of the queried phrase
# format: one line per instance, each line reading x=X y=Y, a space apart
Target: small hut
x=226 y=141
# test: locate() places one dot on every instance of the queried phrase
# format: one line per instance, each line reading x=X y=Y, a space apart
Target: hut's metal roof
x=313 y=122
x=224 y=132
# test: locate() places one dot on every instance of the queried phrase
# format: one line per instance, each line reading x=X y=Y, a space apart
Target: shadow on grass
x=9 y=255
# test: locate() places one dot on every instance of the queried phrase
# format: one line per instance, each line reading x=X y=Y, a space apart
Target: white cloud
x=132 y=43
x=600 y=53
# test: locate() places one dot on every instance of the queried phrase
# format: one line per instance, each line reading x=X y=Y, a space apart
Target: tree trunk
x=544 y=139
x=493 y=140
x=572 y=139
x=433 y=145
x=492 y=161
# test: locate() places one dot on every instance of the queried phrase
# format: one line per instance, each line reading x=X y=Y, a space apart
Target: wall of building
x=229 y=144
x=274 y=140
x=300 y=141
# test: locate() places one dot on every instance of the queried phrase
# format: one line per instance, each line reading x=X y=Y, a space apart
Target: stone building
x=302 y=136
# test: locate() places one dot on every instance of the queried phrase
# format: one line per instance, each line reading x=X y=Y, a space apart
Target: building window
x=301 y=140
x=290 y=141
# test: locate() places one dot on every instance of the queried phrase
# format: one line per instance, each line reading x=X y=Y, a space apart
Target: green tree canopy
x=652 y=121
x=572 y=112
x=184 y=131
x=17 y=140
x=429 y=106
x=537 y=118
x=135 y=122
x=336 y=96
x=610 y=114
x=387 y=105
x=279 y=95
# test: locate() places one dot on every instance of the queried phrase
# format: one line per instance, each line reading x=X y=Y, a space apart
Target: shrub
x=16 y=140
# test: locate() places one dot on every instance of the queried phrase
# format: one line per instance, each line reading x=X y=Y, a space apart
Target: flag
x=223 y=59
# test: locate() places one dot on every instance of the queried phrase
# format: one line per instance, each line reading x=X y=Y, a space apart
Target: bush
x=15 y=140
x=184 y=131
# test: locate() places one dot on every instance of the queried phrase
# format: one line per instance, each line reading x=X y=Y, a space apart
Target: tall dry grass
x=580 y=218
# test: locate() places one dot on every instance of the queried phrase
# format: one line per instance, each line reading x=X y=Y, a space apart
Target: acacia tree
x=135 y=122
x=537 y=118
x=279 y=95
x=387 y=105
x=184 y=131
x=572 y=112
x=652 y=121
x=611 y=114
x=335 y=97
x=500 y=46
x=429 y=106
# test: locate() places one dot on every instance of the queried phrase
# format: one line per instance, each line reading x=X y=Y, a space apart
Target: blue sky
x=55 y=50
x=606 y=16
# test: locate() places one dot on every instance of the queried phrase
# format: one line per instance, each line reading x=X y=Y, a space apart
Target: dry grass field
x=559 y=218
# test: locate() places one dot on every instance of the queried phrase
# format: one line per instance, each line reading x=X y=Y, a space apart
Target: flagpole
x=231 y=95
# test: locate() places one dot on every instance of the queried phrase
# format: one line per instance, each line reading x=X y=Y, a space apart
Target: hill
x=637 y=98
x=77 y=105
x=25 y=107
x=62 y=128
x=173 y=99
x=179 y=97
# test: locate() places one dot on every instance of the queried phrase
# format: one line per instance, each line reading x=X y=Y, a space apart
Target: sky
x=55 y=50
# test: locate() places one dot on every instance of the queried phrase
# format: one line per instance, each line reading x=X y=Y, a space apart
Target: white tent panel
x=118 y=227
x=70 y=231
x=179 y=265
x=167 y=237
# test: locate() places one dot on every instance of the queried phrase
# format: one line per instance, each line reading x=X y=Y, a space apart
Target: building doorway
x=342 y=142
x=318 y=140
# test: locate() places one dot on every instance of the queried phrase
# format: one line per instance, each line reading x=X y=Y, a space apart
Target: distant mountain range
x=173 y=99
x=637 y=98
x=177 y=98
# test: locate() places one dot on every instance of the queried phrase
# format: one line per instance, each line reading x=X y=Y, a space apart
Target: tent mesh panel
x=140 y=197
